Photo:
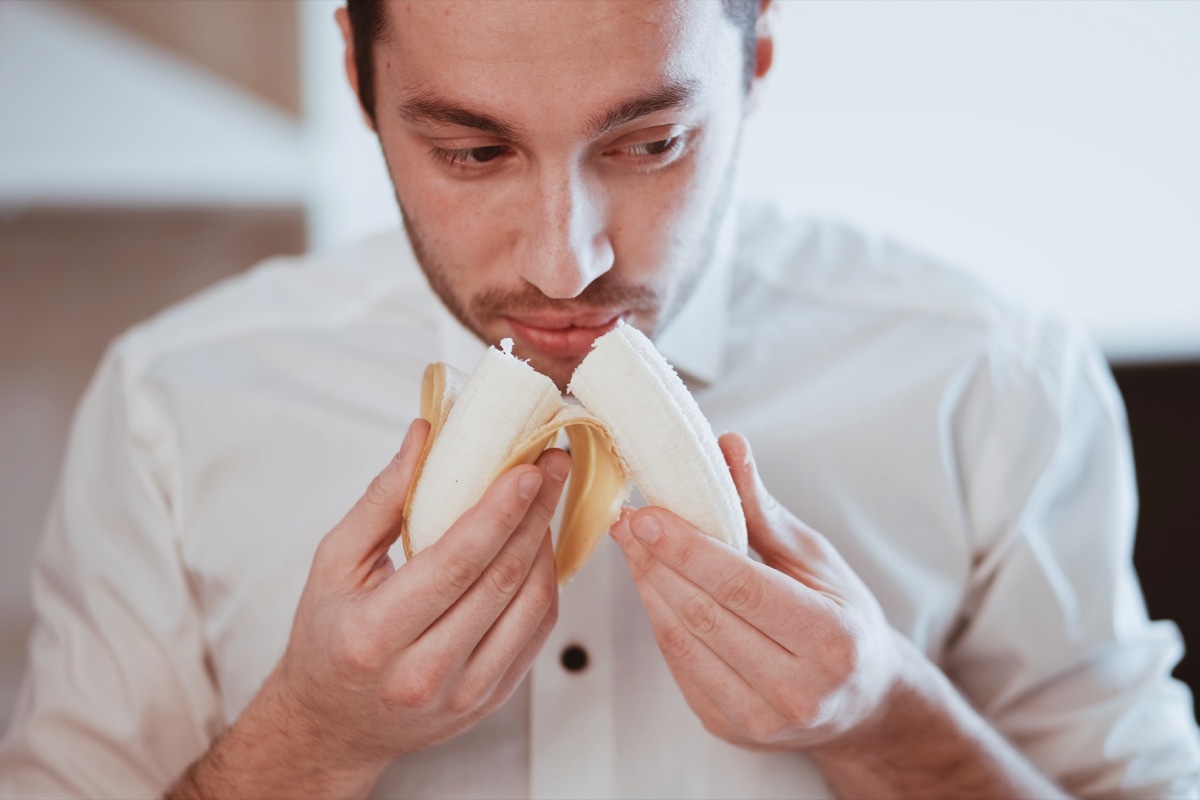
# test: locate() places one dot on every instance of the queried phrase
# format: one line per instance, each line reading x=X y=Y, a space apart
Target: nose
x=566 y=240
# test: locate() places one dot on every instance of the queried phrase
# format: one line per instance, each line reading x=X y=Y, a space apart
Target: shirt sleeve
x=116 y=700
x=1055 y=646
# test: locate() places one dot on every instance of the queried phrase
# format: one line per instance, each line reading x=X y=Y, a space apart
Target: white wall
x=1052 y=147
x=91 y=114
x=349 y=193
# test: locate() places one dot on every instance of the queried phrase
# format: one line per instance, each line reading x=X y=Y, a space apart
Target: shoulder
x=317 y=354
x=283 y=296
x=828 y=263
x=919 y=347
x=902 y=345
x=830 y=279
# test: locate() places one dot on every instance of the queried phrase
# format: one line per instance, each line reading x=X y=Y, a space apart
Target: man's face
x=560 y=165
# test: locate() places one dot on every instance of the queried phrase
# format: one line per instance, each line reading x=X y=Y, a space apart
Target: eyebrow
x=428 y=107
x=671 y=96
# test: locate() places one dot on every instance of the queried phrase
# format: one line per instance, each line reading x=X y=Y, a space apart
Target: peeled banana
x=631 y=420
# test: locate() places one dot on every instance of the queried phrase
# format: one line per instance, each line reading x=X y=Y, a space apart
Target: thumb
x=769 y=526
x=373 y=524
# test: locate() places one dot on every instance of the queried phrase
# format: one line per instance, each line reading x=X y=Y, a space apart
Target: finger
x=766 y=598
x=761 y=508
x=503 y=656
x=729 y=705
x=775 y=534
x=472 y=616
x=747 y=723
x=760 y=659
x=428 y=584
x=520 y=665
x=373 y=523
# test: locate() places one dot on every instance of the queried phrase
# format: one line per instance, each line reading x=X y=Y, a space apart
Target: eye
x=661 y=147
x=653 y=153
x=469 y=157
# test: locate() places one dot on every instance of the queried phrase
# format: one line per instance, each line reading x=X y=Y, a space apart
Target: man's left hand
x=790 y=653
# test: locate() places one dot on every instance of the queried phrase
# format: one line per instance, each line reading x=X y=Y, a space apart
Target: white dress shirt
x=970 y=461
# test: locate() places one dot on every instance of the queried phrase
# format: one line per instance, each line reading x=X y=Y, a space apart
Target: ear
x=764 y=49
x=343 y=20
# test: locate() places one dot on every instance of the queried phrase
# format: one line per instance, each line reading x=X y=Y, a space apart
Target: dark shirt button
x=574 y=658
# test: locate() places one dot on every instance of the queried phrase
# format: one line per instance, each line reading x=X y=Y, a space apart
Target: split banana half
x=634 y=419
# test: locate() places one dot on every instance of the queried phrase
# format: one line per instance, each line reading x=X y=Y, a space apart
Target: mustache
x=601 y=294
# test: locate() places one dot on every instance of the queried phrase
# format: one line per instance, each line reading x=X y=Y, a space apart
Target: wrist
x=914 y=707
x=311 y=745
x=276 y=748
x=925 y=739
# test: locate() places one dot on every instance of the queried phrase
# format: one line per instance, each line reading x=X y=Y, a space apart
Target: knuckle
x=699 y=614
x=358 y=652
x=742 y=592
x=550 y=618
x=676 y=641
x=841 y=651
x=762 y=728
x=324 y=552
x=547 y=624
x=494 y=701
x=541 y=599
x=685 y=554
x=459 y=574
x=843 y=655
x=719 y=727
x=510 y=518
x=506 y=573
x=795 y=708
x=643 y=561
x=377 y=493
x=466 y=699
x=800 y=711
x=415 y=689
x=545 y=596
x=544 y=504
x=536 y=606
x=512 y=511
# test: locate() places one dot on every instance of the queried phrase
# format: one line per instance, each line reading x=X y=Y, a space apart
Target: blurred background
x=149 y=148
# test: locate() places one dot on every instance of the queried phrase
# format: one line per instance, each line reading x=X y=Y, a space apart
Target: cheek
x=656 y=225
x=459 y=220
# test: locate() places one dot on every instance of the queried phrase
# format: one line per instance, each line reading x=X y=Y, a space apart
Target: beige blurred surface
x=70 y=280
x=253 y=43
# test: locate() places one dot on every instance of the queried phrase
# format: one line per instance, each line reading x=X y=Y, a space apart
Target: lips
x=563 y=336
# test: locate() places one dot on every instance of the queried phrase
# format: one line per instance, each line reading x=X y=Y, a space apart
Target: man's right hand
x=385 y=661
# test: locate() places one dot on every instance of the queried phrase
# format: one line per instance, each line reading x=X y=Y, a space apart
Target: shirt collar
x=693 y=342
x=460 y=348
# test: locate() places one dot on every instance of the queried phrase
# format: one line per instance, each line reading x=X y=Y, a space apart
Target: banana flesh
x=660 y=433
x=634 y=421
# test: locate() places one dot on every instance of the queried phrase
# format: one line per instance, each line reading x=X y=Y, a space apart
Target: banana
x=632 y=420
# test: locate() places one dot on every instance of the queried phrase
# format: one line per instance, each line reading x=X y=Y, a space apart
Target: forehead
x=553 y=53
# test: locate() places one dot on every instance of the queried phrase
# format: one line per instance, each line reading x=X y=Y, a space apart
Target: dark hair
x=367 y=24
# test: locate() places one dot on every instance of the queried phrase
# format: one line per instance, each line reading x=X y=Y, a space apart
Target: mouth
x=563 y=335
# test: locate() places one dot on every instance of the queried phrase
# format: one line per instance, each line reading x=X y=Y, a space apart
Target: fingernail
x=647 y=528
x=557 y=467
x=528 y=485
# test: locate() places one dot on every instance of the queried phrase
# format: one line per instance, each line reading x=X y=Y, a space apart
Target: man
x=971 y=625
